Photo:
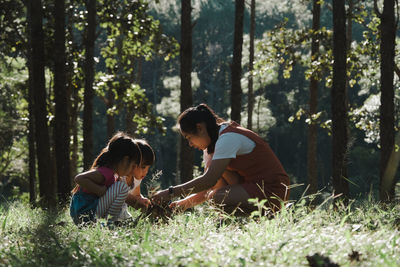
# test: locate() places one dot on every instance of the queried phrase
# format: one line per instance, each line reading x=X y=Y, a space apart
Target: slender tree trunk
x=251 y=61
x=89 y=74
x=61 y=128
x=31 y=124
x=186 y=154
x=312 y=163
x=110 y=117
x=387 y=51
x=338 y=101
x=46 y=180
x=236 y=68
x=74 y=132
x=131 y=125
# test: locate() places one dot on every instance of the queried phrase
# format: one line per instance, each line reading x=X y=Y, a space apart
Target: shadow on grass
x=41 y=244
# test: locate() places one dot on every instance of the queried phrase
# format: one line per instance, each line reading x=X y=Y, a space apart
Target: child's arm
x=92 y=181
x=136 y=200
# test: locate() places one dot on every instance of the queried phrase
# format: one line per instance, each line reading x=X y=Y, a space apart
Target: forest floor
x=358 y=234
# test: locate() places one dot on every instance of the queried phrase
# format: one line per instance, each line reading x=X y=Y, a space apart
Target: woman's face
x=200 y=140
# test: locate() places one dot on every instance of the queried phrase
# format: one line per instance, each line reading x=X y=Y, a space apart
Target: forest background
x=122 y=70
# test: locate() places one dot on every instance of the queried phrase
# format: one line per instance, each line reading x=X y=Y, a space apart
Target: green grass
x=364 y=234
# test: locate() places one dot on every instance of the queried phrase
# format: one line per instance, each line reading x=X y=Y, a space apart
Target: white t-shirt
x=228 y=146
x=124 y=214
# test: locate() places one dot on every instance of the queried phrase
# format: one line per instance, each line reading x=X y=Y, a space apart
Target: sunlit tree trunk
x=89 y=79
x=387 y=52
x=250 y=104
x=46 y=180
x=185 y=162
x=236 y=67
x=312 y=163
x=338 y=101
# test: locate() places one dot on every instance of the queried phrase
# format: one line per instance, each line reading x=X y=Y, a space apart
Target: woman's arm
x=92 y=181
x=205 y=181
x=201 y=183
x=198 y=198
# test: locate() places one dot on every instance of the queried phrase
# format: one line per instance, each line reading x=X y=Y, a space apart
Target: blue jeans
x=83 y=207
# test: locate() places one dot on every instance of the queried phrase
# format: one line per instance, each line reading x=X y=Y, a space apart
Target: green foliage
x=13 y=28
x=205 y=237
x=13 y=118
x=132 y=35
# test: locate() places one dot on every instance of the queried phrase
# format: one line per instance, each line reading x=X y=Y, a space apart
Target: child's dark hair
x=147 y=153
x=119 y=146
x=189 y=119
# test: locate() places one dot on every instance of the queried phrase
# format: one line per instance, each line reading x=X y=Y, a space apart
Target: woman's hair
x=119 y=146
x=147 y=153
x=188 y=120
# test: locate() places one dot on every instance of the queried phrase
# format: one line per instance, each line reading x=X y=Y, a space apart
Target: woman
x=239 y=165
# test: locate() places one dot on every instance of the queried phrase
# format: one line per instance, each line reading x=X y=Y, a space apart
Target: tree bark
x=61 y=127
x=250 y=106
x=31 y=124
x=312 y=163
x=338 y=101
x=387 y=51
x=236 y=68
x=110 y=117
x=88 y=94
x=46 y=181
x=186 y=155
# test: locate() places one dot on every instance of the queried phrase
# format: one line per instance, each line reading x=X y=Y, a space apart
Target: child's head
x=121 y=153
x=147 y=159
x=192 y=120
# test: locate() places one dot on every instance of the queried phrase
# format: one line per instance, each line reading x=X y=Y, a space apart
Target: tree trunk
x=61 y=127
x=74 y=132
x=89 y=74
x=387 y=48
x=250 y=106
x=110 y=117
x=186 y=155
x=312 y=163
x=338 y=101
x=236 y=68
x=31 y=124
x=131 y=125
x=46 y=181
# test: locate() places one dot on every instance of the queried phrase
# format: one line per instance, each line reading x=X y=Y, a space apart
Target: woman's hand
x=143 y=201
x=161 y=197
x=179 y=205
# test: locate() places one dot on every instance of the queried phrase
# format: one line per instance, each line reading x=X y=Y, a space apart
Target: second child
x=99 y=193
x=134 y=179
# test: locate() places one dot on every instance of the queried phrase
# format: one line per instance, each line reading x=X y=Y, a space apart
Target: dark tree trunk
x=236 y=68
x=186 y=155
x=312 y=163
x=61 y=127
x=46 y=180
x=250 y=106
x=387 y=48
x=338 y=101
x=89 y=74
x=74 y=132
x=31 y=124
